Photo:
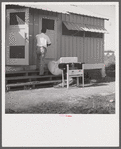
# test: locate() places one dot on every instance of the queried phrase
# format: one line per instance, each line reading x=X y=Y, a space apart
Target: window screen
x=94 y=35
x=48 y=24
x=17 y=51
x=17 y=18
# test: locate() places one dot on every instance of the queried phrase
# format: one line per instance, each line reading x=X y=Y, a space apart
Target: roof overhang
x=58 y=8
x=84 y=27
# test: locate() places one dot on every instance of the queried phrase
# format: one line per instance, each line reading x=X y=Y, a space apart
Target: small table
x=76 y=70
x=75 y=73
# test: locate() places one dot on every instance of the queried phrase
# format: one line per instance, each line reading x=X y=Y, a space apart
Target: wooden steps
x=29 y=79
x=25 y=73
x=28 y=85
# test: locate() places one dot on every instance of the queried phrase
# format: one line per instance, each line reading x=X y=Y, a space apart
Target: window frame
x=48 y=19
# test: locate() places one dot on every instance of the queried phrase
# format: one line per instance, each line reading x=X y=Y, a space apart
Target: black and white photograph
x=60 y=60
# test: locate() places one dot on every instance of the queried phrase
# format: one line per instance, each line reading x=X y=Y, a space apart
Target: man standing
x=43 y=41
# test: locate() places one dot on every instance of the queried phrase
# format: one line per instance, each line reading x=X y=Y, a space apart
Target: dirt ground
x=95 y=98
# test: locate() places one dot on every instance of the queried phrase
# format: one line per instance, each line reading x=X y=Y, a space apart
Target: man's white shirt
x=42 y=40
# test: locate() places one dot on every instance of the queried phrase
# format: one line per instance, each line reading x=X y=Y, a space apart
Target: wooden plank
x=98 y=22
x=67 y=18
x=82 y=48
x=15 y=72
x=74 y=19
x=28 y=77
x=71 y=18
x=89 y=50
x=67 y=46
x=55 y=57
x=92 y=51
x=91 y=21
x=102 y=50
x=85 y=20
x=88 y=20
x=33 y=83
x=71 y=45
x=23 y=71
x=98 y=49
x=78 y=19
x=63 y=17
x=82 y=19
x=40 y=21
x=64 y=50
x=95 y=50
x=79 y=49
x=36 y=31
x=31 y=32
x=94 y=21
x=93 y=66
x=63 y=46
x=59 y=36
x=85 y=50
x=102 y=23
x=74 y=47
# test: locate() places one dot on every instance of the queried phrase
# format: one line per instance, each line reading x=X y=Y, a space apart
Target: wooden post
x=83 y=75
x=103 y=71
x=63 y=79
x=67 y=76
x=78 y=81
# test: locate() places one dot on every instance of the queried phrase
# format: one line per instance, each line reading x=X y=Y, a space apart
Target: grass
x=91 y=105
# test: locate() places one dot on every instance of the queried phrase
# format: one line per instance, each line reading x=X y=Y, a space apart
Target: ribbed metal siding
x=93 y=47
x=59 y=36
x=72 y=45
x=88 y=49
x=85 y=49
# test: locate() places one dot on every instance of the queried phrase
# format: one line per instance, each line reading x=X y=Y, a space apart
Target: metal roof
x=84 y=27
x=61 y=8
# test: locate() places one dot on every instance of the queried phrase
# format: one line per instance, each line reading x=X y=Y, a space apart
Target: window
x=17 y=18
x=94 y=35
x=65 y=31
x=17 y=51
x=48 y=24
x=75 y=29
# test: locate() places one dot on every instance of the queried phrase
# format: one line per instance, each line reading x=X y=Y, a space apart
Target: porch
x=29 y=79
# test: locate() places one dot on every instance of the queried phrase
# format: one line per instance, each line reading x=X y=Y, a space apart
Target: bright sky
x=108 y=11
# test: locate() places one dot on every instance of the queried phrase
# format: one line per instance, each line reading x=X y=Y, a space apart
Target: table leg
x=67 y=76
x=62 y=79
x=78 y=81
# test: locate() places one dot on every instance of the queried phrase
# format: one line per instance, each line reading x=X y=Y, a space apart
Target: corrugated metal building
x=73 y=32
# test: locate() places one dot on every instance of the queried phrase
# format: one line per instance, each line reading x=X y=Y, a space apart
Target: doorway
x=50 y=25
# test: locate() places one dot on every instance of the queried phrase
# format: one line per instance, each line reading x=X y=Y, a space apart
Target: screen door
x=17 y=44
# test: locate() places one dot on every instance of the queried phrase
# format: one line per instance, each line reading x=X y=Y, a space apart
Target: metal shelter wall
x=87 y=49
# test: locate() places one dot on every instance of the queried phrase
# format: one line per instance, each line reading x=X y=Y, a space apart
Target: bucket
x=53 y=68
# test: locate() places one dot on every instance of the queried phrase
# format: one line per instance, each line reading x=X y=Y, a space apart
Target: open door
x=50 y=25
x=17 y=44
